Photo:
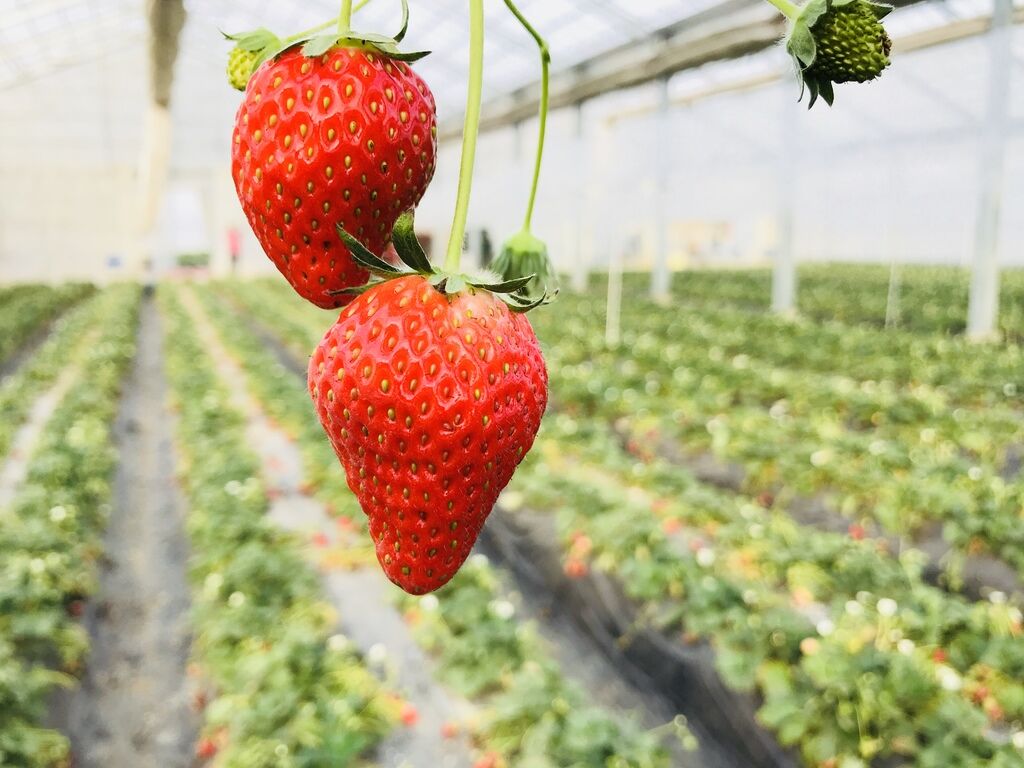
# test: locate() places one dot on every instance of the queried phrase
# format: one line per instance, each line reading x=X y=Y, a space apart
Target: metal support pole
x=983 y=309
x=784 y=273
x=580 y=271
x=613 y=304
x=660 y=277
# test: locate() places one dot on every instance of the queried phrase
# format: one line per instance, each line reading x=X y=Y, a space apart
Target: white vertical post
x=613 y=305
x=983 y=308
x=892 y=300
x=580 y=271
x=660 y=277
x=784 y=272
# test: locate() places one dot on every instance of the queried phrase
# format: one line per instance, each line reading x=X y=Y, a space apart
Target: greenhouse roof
x=74 y=72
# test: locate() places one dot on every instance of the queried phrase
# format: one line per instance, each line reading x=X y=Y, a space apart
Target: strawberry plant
x=282 y=688
x=51 y=538
x=26 y=309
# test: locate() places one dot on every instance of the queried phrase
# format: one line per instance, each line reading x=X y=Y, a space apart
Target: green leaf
x=826 y=91
x=801 y=44
x=881 y=10
x=508 y=286
x=813 y=11
x=362 y=255
x=408 y=247
x=256 y=40
x=454 y=284
x=392 y=52
x=371 y=37
x=320 y=45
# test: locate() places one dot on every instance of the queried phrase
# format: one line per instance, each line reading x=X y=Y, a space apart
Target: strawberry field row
x=62 y=348
x=532 y=710
x=286 y=690
x=968 y=374
x=931 y=299
x=26 y=309
x=901 y=478
x=807 y=650
x=50 y=538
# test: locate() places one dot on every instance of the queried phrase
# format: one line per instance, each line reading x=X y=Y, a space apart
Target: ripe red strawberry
x=430 y=401
x=345 y=138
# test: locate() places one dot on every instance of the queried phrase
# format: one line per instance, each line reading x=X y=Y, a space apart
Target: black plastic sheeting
x=684 y=675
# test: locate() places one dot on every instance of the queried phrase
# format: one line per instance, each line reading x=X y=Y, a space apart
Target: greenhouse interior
x=494 y=384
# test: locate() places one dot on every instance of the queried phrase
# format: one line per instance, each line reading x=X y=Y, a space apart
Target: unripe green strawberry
x=522 y=255
x=240 y=67
x=853 y=46
x=838 y=41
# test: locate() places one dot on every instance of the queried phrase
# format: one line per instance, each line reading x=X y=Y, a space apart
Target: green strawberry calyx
x=838 y=41
x=415 y=262
x=316 y=41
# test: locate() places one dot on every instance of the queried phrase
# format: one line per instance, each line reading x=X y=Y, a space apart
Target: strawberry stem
x=545 y=68
x=470 y=131
x=345 y=18
x=786 y=8
x=321 y=27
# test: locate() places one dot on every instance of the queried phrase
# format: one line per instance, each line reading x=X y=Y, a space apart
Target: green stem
x=345 y=18
x=311 y=31
x=326 y=25
x=786 y=8
x=470 y=131
x=545 y=77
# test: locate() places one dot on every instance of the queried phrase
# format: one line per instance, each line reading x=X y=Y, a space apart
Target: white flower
x=905 y=646
x=948 y=677
x=281 y=750
x=705 y=557
x=997 y=598
x=887 y=607
x=478 y=560
x=749 y=597
x=429 y=603
x=503 y=609
x=233 y=487
x=975 y=473
x=1010 y=389
x=854 y=608
x=927 y=435
x=377 y=655
x=821 y=458
x=756 y=531
x=36 y=565
x=58 y=513
x=337 y=643
x=1018 y=740
x=825 y=627
x=212 y=584
x=877 y=447
x=511 y=500
x=236 y=600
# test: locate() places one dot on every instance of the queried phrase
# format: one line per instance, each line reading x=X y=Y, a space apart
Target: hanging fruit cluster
x=431 y=385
